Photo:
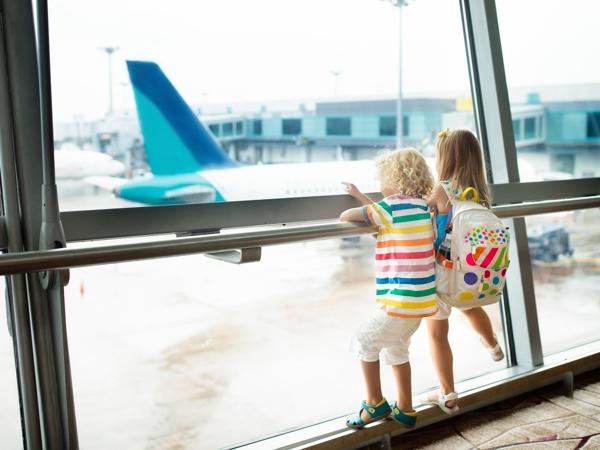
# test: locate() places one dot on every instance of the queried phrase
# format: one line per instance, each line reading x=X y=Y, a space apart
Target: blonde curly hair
x=405 y=171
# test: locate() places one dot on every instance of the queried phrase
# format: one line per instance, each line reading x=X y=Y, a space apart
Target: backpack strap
x=449 y=219
x=474 y=198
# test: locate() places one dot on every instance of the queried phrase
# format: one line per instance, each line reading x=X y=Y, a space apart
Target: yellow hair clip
x=443 y=133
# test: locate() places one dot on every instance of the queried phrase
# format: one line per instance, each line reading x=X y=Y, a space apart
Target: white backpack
x=473 y=271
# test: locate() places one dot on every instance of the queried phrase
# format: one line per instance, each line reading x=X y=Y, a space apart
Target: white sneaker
x=495 y=352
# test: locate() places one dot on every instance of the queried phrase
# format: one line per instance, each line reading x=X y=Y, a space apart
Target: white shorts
x=385 y=336
x=444 y=310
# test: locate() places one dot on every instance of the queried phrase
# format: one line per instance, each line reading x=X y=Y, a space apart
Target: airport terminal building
x=557 y=136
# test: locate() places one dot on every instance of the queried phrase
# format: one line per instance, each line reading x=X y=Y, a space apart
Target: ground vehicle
x=548 y=242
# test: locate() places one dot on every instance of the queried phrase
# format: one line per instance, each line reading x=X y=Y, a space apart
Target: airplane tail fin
x=175 y=140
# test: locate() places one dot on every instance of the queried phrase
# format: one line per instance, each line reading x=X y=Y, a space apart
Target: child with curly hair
x=405 y=280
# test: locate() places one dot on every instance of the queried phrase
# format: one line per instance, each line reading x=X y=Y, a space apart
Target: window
x=257 y=127
x=530 y=128
x=239 y=128
x=195 y=359
x=227 y=129
x=593 y=124
x=559 y=244
x=338 y=126
x=517 y=129
x=215 y=129
x=560 y=92
x=387 y=126
x=291 y=127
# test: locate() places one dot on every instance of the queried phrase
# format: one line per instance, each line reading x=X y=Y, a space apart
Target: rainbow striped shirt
x=404 y=259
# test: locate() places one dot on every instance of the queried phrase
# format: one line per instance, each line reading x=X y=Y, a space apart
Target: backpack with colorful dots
x=473 y=272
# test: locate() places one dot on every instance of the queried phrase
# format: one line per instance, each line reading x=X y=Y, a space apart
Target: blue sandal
x=376 y=412
x=406 y=419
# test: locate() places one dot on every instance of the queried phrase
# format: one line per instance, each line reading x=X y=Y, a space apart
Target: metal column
x=50 y=351
x=494 y=122
x=18 y=309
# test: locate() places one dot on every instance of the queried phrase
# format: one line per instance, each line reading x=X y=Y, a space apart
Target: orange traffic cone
x=81 y=289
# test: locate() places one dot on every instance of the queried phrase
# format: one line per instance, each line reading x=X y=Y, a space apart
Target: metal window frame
x=494 y=123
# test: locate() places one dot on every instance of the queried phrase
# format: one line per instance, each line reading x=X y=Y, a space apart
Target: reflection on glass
x=165 y=353
x=10 y=426
x=324 y=95
x=565 y=251
x=553 y=86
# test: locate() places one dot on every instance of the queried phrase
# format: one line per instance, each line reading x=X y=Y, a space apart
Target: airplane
x=74 y=163
x=188 y=165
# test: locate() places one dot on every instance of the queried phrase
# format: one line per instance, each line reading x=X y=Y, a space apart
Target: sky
x=236 y=51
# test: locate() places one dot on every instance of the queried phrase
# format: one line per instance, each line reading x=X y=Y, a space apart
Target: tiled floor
x=543 y=419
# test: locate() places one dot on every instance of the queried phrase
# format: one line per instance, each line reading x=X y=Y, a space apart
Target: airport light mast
x=399 y=116
x=109 y=52
x=336 y=73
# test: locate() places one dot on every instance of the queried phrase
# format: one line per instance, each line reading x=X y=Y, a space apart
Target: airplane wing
x=108 y=183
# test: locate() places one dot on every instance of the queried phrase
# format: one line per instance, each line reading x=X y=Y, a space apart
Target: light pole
x=336 y=73
x=399 y=117
x=109 y=52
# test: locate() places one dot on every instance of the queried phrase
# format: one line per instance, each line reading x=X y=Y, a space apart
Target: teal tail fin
x=176 y=141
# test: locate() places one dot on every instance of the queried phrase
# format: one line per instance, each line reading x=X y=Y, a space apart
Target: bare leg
x=402 y=376
x=441 y=354
x=480 y=322
x=373 y=384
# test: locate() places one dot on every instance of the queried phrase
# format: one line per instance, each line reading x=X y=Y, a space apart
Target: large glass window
x=565 y=252
x=181 y=341
x=551 y=77
x=113 y=130
x=280 y=330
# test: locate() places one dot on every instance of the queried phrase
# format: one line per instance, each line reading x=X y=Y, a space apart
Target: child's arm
x=352 y=215
x=439 y=199
x=355 y=192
